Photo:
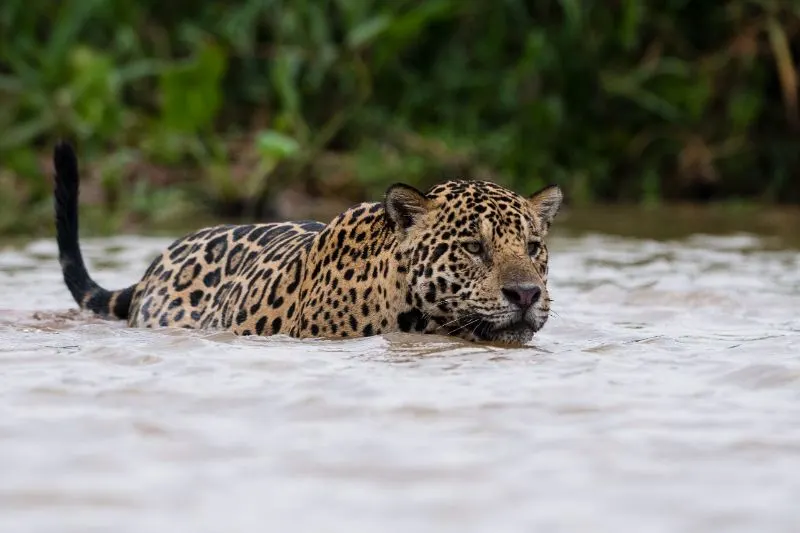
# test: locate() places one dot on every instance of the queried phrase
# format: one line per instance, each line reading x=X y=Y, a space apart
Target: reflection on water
x=664 y=395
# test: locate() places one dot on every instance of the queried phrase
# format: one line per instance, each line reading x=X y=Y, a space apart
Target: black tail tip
x=64 y=159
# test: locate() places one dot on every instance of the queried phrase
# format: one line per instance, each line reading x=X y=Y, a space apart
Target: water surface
x=662 y=396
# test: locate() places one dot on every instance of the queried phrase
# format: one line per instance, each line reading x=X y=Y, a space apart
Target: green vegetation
x=180 y=108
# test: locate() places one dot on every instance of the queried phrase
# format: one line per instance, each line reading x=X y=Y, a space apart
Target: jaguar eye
x=473 y=247
x=534 y=248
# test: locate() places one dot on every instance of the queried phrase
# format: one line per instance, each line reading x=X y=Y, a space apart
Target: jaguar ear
x=546 y=204
x=405 y=205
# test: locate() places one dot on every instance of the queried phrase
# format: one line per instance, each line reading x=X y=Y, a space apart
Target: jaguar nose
x=522 y=295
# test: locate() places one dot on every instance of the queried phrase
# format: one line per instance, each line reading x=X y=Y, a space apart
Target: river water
x=662 y=396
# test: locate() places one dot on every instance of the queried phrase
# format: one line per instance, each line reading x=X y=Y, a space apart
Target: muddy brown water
x=662 y=396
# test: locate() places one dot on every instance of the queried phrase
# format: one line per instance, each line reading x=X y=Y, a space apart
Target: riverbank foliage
x=222 y=107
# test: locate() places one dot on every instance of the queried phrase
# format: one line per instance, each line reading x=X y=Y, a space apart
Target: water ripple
x=664 y=395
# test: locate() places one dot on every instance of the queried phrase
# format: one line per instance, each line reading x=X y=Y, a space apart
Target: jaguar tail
x=84 y=290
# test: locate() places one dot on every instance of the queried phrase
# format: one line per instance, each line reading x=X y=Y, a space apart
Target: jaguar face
x=477 y=257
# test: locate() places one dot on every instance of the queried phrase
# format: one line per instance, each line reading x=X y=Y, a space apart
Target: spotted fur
x=467 y=259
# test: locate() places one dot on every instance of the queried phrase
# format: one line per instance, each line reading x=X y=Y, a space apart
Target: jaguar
x=466 y=258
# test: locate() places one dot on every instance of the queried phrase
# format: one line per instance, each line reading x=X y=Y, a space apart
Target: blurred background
x=661 y=396
x=262 y=109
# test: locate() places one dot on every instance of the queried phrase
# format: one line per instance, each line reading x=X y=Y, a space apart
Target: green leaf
x=191 y=94
x=275 y=145
x=94 y=91
x=368 y=31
